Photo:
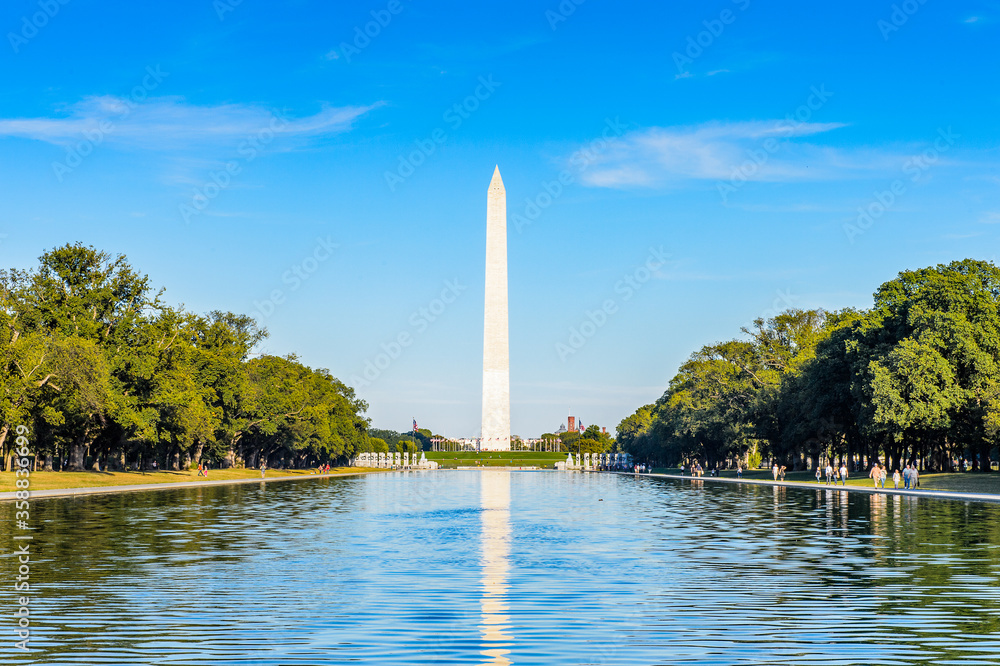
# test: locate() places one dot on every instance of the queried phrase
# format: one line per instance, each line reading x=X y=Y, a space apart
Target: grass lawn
x=62 y=480
x=963 y=483
x=453 y=459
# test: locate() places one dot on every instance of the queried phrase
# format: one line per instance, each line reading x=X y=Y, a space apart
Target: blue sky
x=720 y=161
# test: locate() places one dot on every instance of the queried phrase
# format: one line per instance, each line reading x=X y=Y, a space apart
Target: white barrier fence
x=395 y=460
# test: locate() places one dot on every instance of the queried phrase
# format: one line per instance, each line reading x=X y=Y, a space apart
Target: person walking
x=819 y=473
x=914 y=477
x=739 y=471
x=882 y=474
x=682 y=469
x=875 y=475
x=781 y=473
x=906 y=477
x=774 y=471
x=263 y=468
x=843 y=473
x=829 y=473
x=895 y=479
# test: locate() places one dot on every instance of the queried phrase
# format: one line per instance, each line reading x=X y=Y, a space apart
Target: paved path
x=937 y=494
x=66 y=492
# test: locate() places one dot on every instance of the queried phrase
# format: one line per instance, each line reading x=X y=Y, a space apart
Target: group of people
x=697 y=470
x=910 y=477
x=832 y=474
x=202 y=469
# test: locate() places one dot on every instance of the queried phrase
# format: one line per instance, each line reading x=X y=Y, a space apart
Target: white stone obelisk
x=496 y=352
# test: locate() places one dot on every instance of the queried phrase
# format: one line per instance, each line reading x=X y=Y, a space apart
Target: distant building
x=571 y=423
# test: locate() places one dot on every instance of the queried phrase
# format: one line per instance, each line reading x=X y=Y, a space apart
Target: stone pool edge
x=935 y=494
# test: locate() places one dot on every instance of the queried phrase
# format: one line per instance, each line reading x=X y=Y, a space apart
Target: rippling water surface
x=508 y=568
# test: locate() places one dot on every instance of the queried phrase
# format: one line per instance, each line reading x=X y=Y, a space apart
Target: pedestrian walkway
x=936 y=494
x=70 y=492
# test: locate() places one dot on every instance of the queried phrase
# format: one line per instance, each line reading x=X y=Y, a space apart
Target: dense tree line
x=106 y=374
x=916 y=377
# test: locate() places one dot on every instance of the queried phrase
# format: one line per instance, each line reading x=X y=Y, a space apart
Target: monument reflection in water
x=495 y=621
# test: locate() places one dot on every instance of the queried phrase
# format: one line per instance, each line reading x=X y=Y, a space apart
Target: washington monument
x=496 y=353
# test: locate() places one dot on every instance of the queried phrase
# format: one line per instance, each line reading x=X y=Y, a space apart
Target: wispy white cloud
x=170 y=123
x=664 y=156
x=741 y=61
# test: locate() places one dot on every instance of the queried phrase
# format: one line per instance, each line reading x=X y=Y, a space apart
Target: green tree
x=100 y=367
x=593 y=440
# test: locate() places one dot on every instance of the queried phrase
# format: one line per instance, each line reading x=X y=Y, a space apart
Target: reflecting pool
x=497 y=567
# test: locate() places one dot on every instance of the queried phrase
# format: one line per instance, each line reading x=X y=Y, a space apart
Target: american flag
x=581 y=426
x=414 y=425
